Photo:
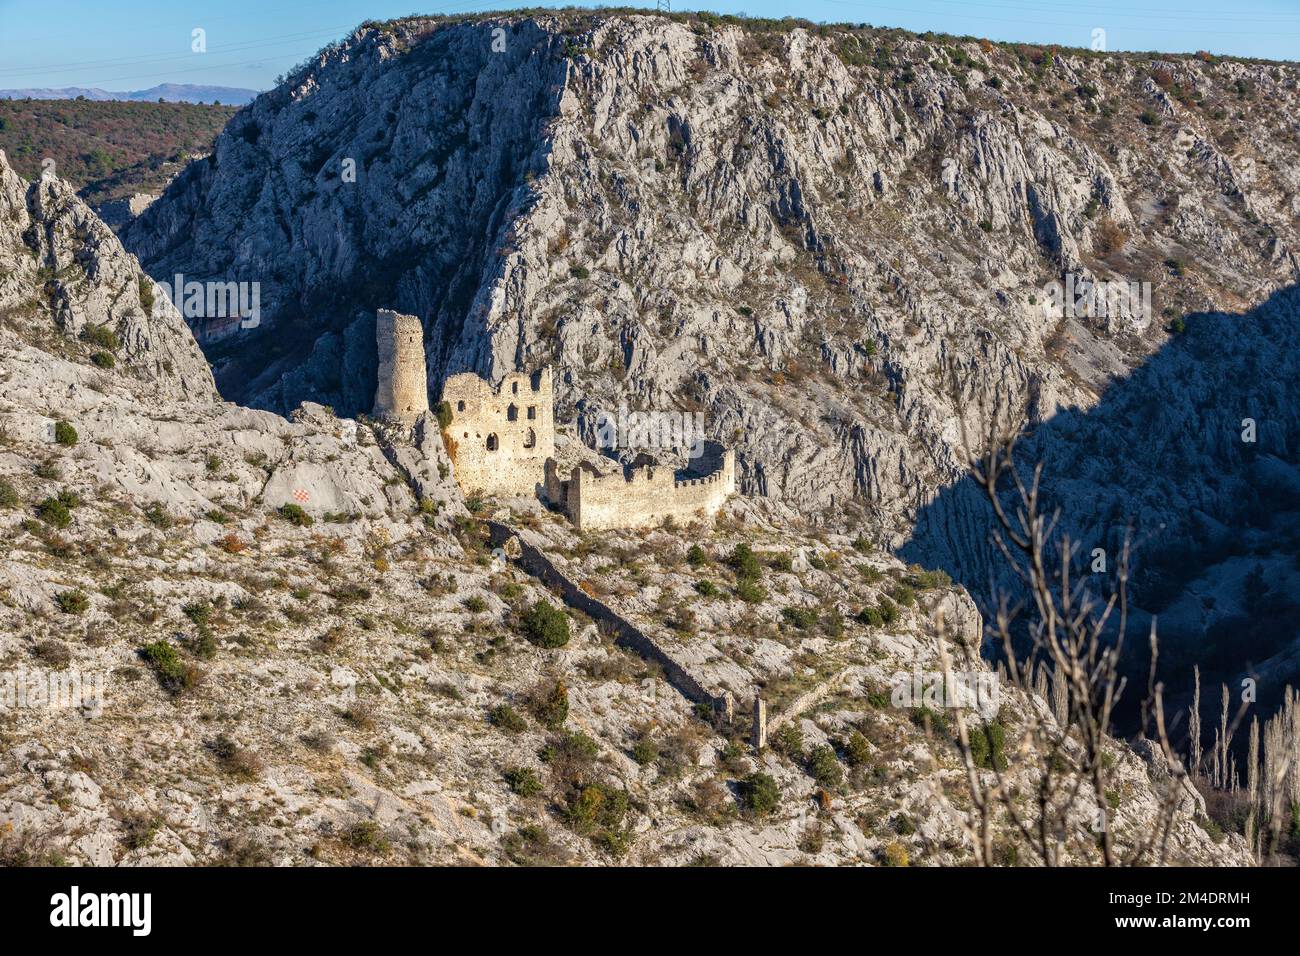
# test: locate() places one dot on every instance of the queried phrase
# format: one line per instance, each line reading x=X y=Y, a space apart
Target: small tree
x=761 y=794
x=546 y=625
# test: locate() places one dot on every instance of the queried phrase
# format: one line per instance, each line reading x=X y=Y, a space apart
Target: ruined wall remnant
x=403 y=389
x=502 y=435
x=646 y=495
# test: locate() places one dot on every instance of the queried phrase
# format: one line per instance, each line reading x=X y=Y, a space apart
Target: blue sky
x=133 y=44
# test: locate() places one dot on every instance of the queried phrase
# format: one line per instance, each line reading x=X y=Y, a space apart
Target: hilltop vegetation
x=108 y=149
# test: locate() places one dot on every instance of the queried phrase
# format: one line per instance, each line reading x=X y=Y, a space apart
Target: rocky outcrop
x=63 y=271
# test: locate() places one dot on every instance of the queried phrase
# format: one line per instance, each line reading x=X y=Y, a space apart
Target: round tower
x=403 y=388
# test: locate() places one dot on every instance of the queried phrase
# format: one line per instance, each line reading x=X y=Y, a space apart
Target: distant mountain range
x=171 y=92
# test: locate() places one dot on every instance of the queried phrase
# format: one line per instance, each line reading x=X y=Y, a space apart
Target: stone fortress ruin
x=647 y=493
x=402 y=391
x=501 y=440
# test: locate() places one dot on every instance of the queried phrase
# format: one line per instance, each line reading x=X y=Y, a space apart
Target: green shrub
x=57 y=511
x=546 y=625
x=101 y=336
x=158 y=516
x=781 y=562
x=857 y=751
x=801 y=618
x=696 y=556
x=645 y=751
x=597 y=810
x=933 y=721
x=888 y=611
x=443 y=411
x=580 y=272
x=104 y=360
x=789 y=740
x=987 y=745
x=475 y=604
x=8 y=494
x=507 y=718
x=745 y=563
x=825 y=767
x=296 y=516
x=145 y=289
x=748 y=590
x=871 y=617
x=923 y=580
x=523 y=781
x=706 y=588
x=65 y=434
x=72 y=602
x=171 y=671
x=761 y=794
x=904 y=595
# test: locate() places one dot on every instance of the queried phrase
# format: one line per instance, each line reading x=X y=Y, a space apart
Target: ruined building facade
x=502 y=442
x=500 y=438
x=402 y=391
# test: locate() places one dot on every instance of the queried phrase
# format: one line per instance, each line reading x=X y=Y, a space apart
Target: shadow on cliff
x=1166 y=455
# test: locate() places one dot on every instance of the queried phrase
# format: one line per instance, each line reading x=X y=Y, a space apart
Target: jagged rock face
x=689 y=216
x=379 y=177
x=63 y=270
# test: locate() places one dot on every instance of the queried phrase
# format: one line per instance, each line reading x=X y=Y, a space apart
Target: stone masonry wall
x=626 y=633
x=403 y=388
x=646 y=496
x=500 y=438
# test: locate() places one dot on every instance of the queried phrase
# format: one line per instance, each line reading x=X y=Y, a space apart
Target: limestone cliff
x=64 y=274
x=791 y=229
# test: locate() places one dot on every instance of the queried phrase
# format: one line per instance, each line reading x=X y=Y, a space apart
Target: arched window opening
x=532 y=412
x=530 y=440
x=512 y=413
x=460 y=406
x=492 y=442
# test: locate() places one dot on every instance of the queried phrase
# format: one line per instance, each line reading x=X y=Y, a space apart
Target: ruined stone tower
x=403 y=389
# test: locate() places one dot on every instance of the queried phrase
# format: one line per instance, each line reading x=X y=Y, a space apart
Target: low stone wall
x=626 y=633
x=809 y=699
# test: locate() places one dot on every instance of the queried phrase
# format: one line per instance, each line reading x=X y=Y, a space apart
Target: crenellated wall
x=502 y=436
x=645 y=495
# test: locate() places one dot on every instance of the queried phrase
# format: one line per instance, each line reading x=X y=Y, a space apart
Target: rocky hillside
x=803 y=232
x=296 y=647
x=791 y=229
x=108 y=150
